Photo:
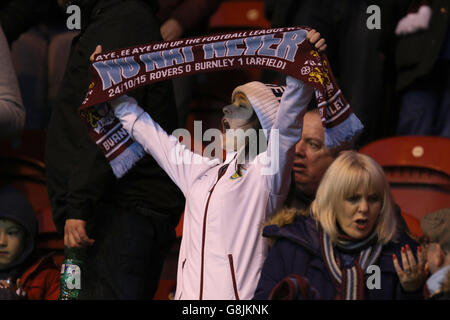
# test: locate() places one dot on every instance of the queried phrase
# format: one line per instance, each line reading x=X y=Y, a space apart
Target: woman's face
x=358 y=213
x=236 y=116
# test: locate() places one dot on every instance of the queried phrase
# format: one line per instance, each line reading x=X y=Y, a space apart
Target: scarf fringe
x=347 y=130
x=349 y=281
x=127 y=159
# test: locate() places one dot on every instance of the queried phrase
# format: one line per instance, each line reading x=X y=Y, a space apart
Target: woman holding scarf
x=348 y=246
x=222 y=249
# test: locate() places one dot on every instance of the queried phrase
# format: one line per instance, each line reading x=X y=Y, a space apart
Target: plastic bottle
x=71 y=268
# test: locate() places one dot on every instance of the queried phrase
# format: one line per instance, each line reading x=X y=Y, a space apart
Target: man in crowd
x=312 y=159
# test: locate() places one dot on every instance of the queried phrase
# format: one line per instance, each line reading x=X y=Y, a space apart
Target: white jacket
x=222 y=249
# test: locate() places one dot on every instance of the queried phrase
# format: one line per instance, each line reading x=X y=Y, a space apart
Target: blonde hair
x=347 y=175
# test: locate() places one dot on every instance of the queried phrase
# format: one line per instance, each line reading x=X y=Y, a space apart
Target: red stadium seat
x=30 y=144
x=418 y=170
x=413 y=225
x=239 y=15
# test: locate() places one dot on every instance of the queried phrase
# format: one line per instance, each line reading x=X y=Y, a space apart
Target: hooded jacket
x=14 y=206
x=222 y=249
x=296 y=250
x=38 y=278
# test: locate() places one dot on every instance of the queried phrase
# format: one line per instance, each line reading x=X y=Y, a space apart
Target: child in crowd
x=22 y=276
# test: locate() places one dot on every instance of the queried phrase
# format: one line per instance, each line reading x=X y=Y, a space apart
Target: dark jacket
x=296 y=198
x=78 y=176
x=297 y=250
x=193 y=15
x=417 y=53
x=17 y=16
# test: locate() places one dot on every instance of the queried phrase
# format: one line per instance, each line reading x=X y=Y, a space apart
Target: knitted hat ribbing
x=265 y=100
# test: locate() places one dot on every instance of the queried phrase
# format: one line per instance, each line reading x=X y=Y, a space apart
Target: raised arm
x=286 y=132
x=181 y=164
x=287 y=129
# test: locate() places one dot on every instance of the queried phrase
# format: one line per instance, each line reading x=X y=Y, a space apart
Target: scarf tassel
x=127 y=159
x=343 y=132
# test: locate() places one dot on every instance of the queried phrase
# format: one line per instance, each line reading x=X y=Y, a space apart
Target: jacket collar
x=302 y=231
x=40 y=264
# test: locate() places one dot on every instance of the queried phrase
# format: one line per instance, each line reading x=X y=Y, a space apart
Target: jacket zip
x=222 y=171
x=233 y=276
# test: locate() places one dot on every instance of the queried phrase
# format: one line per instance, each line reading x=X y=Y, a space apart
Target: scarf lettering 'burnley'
x=285 y=50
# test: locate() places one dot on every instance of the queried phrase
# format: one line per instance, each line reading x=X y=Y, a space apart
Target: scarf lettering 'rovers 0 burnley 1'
x=285 y=50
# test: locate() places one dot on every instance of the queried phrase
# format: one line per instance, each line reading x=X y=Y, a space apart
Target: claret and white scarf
x=285 y=50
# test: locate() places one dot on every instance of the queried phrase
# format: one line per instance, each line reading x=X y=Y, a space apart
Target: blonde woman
x=347 y=246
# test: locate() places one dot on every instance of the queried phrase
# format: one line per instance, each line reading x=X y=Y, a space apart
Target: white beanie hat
x=265 y=100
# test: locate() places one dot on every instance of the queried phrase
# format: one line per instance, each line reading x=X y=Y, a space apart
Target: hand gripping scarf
x=285 y=50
